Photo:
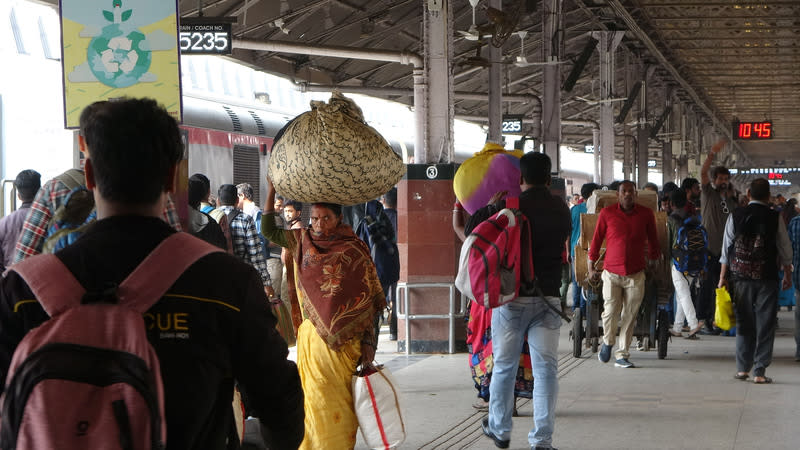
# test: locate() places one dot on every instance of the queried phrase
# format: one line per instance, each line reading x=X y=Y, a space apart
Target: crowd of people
x=749 y=242
x=276 y=281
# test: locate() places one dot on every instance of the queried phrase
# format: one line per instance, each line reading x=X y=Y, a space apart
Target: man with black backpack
x=754 y=244
x=205 y=335
x=689 y=249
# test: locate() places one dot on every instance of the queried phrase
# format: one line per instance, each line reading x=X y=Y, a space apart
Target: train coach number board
x=752 y=130
x=205 y=38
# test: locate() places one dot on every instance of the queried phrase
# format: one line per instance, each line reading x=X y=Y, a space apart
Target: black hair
x=678 y=198
x=132 y=143
x=298 y=206
x=669 y=186
x=227 y=195
x=688 y=183
x=614 y=186
x=535 y=168
x=587 y=189
x=197 y=191
x=204 y=179
x=620 y=183
x=390 y=198
x=335 y=209
x=245 y=189
x=719 y=170
x=649 y=185
x=28 y=183
x=759 y=189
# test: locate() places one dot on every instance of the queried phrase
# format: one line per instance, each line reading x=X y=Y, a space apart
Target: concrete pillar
x=609 y=40
x=643 y=134
x=666 y=162
x=428 y=254
x=438 y=35
x=495 y=133
x=425 y=238
x=552 y=42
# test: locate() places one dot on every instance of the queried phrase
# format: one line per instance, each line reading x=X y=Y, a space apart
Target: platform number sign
x=512 y=124
x=752 y=130
x=205 y=38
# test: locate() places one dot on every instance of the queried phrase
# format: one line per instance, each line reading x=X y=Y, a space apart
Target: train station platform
x=689 y=400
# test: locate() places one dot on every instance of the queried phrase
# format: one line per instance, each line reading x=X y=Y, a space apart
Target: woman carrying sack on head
x=339 y=294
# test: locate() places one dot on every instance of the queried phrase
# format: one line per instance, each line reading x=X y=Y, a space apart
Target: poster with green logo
x=119 y=48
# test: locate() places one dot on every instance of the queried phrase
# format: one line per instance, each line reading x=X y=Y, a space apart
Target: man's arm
x=34 y=229
x=727 y=240
x=458 y=221
x=259 y=353
x=597 y=241
x=704 y=175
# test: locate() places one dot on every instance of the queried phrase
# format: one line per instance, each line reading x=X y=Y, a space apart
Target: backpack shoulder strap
x=72 y=178
x=161 y=268
x=51 y=282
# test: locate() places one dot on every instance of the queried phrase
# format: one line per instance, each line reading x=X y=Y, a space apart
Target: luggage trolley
x=652 y=324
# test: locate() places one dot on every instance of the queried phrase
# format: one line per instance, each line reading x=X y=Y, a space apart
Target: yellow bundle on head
x=329 y=154
x=491 y=170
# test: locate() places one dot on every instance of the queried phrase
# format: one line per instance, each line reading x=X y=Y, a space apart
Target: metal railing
x=451 y=315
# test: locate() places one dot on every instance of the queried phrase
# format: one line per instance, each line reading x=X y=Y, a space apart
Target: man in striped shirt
x=244 y=235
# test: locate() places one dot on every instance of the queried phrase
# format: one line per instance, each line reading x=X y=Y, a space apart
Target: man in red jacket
x=625 y=227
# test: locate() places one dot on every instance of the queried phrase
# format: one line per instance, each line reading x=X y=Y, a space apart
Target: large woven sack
x=600 y=199
x=329 y=154
x=487 y=172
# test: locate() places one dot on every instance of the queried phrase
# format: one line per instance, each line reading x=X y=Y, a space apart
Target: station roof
x=725 y=59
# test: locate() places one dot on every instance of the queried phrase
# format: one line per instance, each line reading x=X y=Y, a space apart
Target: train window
x=247 y=169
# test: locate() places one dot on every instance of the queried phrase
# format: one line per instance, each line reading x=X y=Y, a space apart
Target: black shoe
x=499 y=443
x=710 y=331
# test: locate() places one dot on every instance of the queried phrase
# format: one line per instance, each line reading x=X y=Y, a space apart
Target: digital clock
x=752 y=130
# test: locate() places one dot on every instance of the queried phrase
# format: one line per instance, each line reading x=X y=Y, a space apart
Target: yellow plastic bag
x=724 y=316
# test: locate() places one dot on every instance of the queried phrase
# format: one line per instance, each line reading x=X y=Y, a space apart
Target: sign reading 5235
x=206 y=39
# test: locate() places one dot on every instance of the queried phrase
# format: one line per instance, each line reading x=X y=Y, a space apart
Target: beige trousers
x=621 y=294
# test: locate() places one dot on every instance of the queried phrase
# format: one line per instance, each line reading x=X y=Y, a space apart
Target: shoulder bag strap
x=51 y=282
x=162 y=267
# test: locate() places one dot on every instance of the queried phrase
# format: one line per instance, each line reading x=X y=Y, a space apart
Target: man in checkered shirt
x=52 y=195
x=246 y=242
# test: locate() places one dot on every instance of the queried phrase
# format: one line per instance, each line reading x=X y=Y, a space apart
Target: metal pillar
x=495 y=133
x=438 y=126
x=666 y=162
x=609 y=40
x=641 y=155
x=552 y=49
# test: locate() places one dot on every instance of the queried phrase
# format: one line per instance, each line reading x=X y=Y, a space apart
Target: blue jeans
x=797 y=322
x=510 y=323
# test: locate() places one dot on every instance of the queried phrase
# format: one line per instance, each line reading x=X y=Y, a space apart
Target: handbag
x=377 y=405
x=724 y=315
x=284 y=326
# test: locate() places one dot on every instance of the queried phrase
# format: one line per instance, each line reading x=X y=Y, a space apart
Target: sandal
x=481 y=405
x=764 y=380
x=741 y=376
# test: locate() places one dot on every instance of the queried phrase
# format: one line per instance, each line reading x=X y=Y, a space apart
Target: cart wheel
x=577 y=333
x=595 y=344
x=663 y=334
